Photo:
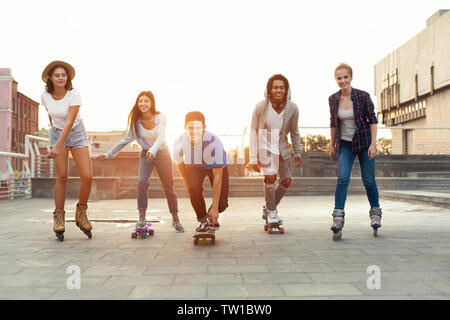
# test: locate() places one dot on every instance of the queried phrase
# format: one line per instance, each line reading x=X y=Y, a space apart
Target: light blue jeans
x=345 y=164
x=163 y=164
x=77 y=137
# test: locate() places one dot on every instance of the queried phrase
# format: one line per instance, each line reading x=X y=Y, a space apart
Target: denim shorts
x=77 y=137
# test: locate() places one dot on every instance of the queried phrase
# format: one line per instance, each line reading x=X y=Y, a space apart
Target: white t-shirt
x=149 y=135
x=59 y=109
x=270 y=140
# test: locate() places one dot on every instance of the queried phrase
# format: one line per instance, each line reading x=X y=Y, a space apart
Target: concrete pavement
x=411 y=256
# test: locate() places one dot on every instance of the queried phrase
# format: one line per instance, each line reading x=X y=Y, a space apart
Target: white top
x=348 y=125
x=59 y=109
x=274 y=124
x=149 y=135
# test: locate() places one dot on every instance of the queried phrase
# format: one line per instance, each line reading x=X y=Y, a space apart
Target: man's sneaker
x=203 y=227
x=177 y=226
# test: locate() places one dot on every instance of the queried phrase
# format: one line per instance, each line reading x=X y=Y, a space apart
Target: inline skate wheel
x=60 y=236
x=337 y=235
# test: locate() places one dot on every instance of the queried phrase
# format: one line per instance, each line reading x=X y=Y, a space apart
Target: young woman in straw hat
x=67 y=132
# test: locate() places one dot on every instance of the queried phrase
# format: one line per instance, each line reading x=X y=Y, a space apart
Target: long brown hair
x=135 y=113
x=50 y=87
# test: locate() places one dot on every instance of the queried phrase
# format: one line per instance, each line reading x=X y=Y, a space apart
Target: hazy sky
x=212 y=56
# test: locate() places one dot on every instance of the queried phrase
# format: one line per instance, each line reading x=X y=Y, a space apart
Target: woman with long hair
x=148 y=127
x=67 y=133
x=353 y=128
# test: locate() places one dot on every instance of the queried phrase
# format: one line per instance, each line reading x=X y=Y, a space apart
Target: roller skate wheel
x=133 y=235
x=195 y=241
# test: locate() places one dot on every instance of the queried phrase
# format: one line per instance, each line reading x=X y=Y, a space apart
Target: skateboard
x=204 y=236
x=273 y=228
x=143 y=232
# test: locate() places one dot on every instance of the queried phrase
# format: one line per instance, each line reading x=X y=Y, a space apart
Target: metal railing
x=16 y=182
x=412 y=140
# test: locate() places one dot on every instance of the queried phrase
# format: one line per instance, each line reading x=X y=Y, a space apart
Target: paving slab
x=412 y=253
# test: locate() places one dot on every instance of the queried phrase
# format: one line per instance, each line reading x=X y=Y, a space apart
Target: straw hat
x=69 y=68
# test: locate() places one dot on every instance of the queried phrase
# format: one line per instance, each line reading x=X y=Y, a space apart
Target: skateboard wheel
x=265 y=227
x=144 y=235
x=213 y=241
x=375 y=232
x=133 y=235
x=151 y=232
x=282 y=230
x=270 y=230
x=196 y=241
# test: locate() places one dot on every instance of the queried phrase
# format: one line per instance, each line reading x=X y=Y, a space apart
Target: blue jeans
x=345 y=163
x=77 y=137
x=163 y=164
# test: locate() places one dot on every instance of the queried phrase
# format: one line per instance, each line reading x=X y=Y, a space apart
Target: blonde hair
x=343 y=66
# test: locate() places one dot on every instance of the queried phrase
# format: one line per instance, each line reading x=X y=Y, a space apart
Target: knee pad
x=270 y=179
x=286 y=182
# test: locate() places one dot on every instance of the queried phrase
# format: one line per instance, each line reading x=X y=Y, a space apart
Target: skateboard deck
x=143 y=232
x=204 y=236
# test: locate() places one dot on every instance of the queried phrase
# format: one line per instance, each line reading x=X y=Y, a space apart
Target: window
x=416 y=96
x=432 y=79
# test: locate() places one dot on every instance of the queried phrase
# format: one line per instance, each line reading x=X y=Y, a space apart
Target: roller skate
x=375 y=220
x=273 y=223
x=338 y=223
x=82 y=221
x=59 y=221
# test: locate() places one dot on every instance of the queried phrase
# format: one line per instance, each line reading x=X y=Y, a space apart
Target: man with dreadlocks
x=272 y=120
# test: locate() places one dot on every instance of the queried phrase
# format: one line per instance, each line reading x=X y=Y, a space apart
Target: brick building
x=18 y=117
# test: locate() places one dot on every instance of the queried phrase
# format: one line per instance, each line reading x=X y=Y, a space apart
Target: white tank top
x=149 y=135
x=348 y=125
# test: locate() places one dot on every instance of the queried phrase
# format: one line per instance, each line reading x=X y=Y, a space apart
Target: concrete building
x=412 y=85
x=101 y=142
x=18 y=117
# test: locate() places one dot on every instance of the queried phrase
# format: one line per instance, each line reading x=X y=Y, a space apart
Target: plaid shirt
x=364 y=116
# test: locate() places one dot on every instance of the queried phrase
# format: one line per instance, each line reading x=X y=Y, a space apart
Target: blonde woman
x=353 y=128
